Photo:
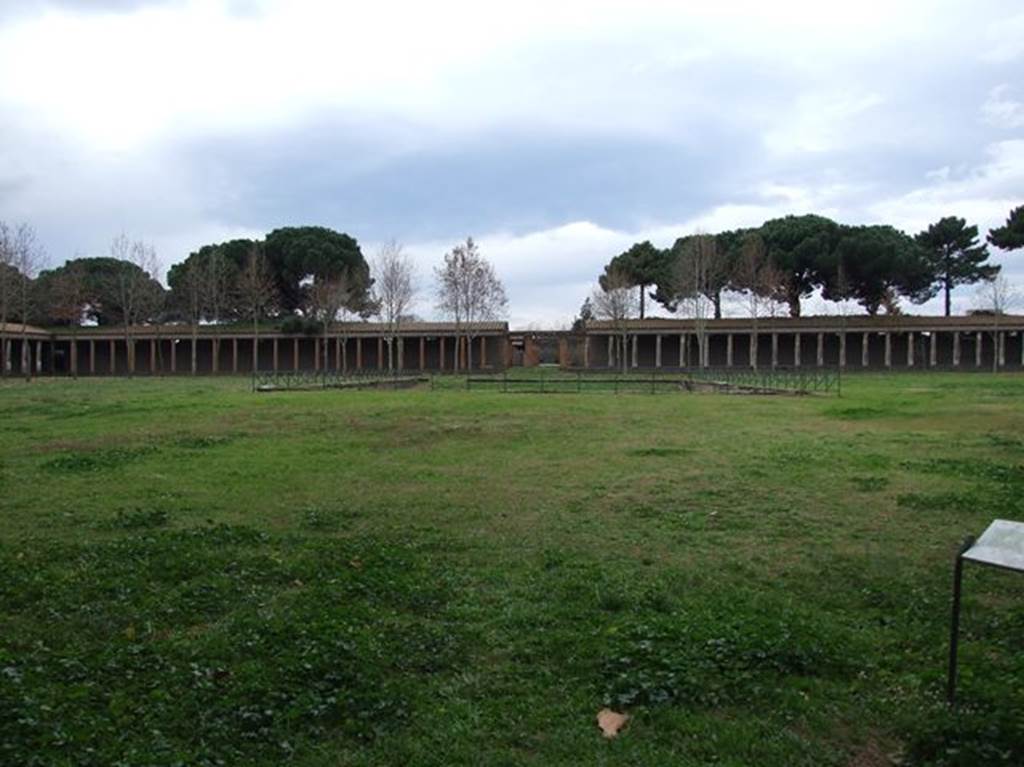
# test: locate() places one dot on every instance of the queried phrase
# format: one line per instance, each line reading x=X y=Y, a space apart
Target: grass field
x=191 y=573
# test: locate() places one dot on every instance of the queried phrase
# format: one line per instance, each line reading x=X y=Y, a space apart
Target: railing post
x=954 y=628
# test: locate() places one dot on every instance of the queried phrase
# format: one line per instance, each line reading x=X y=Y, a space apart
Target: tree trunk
x=717 y=301
x=26 y=361
x=947 y=292
x=255 y=346
x=642 y=291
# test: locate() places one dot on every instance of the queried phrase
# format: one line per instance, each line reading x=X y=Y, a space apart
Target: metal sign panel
x=1001 y=545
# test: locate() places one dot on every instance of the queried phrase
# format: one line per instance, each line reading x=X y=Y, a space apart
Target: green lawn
x=191 y=573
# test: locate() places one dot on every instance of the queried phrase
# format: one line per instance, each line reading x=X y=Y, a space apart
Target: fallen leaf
x=611 y=722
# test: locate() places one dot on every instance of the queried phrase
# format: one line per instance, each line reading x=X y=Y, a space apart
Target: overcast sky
x=555 y=133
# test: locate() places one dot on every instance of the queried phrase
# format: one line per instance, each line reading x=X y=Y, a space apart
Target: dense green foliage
x=88 y=289
x=643 y=264
x=955 y=256
x=1010 y=236
x=314 y=252
x=222 y=262
x=872 y=265
x=194 y=574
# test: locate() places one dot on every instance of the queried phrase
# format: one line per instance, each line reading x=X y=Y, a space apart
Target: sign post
x=1000 y=546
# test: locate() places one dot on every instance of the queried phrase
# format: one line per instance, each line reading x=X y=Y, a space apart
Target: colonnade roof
x=897 y=323
x=17 y=329
x=240 y=330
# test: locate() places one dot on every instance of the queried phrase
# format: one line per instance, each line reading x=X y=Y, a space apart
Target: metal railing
x=298 y=380
x=744 y=381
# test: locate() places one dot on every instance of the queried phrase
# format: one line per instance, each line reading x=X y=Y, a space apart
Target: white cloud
x=710 y=115
x=982 y=194
x=1001 y=109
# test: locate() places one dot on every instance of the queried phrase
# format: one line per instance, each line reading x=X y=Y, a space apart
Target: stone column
x=130 y=357
x=275 y=355
x=636 y=351
x=728 y=350
x=215 y=351
x=316 y=355
x=483 y=352
x=611 y=351
x=586 y=350
x=842 y=349
x=865 y=350
x=174 y=355
x=910 y=349
x=234 y=355
x=1002 y=349
x=752 y=353
x=821 y=349
x=956 y=349
x=39 y=357
x=440 y=359
x=380 y=352
x=152 y=356
x=977 y=349
x=73 y=356
x=796 y=350
x=92 y=357
x=113 y=357
x=888 y=350
x=423 y=352
x=775 y=350
x=933 y=348
x=337 y=354
x=657 y=351
x=295 y=354
x=682 y=350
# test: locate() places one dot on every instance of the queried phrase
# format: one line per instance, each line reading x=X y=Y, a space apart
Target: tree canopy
x=954 y=256
x=875 y=264
x=298 y=255
x=797 y=255
x=1010 y=236
x=797 y=246
x=642 y=265
x=84 y=288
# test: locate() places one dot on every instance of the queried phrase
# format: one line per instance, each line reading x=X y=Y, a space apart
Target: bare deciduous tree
x=617 y=302
x=758 y=278
x=995 y=297
x=67 y=296
x=66 y=299
x=8 y=283
x=468 y=291
x=394 y=289
x=133 y=288
x=28 y=259
x=694 y=273
x=329 y=297
x=192 y=291
x=217 y=288
x=257 y=294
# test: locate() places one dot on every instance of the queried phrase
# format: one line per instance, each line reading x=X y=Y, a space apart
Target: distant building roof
x=822 y=323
